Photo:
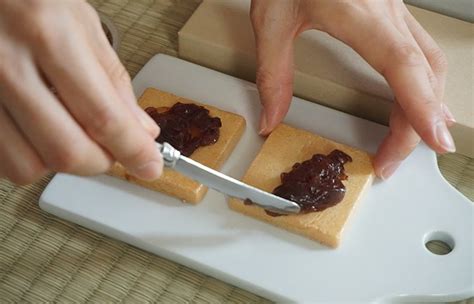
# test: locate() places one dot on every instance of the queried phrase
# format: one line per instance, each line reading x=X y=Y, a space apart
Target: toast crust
x=284 y=147
x=213 y=156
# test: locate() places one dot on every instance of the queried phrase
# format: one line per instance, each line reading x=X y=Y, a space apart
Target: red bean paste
x=185 y=126
x=315 y=184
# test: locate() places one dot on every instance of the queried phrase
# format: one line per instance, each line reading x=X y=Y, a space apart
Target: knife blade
x=223 y=183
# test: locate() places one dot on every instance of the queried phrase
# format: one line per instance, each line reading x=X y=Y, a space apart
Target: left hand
x=405 y=54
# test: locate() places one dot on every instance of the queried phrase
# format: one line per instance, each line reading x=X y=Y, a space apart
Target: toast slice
x=286 y=146
x=213 y=156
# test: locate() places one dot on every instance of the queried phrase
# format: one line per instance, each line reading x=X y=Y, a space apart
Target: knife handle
x=170 y=154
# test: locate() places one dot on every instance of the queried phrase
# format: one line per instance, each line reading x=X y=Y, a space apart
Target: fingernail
x=148 y=171
x=449 y=117
x=263 y=123
x=444 y=137
x=389 y=169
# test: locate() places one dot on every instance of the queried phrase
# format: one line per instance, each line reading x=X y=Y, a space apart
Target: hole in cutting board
x=439 y=243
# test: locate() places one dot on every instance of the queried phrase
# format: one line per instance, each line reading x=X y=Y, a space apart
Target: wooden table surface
x=46 y=259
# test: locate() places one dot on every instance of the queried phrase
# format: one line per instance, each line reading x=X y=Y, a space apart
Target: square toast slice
x=213 y=156
x=283 y=148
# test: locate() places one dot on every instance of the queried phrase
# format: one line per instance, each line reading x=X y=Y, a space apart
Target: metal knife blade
x=223 y=183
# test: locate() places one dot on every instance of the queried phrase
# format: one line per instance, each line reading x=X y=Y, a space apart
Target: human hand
x=388 y=37
x=92 y=119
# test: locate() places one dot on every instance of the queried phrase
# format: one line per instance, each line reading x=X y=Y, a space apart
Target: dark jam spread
x=186 y=126
x=315 y=184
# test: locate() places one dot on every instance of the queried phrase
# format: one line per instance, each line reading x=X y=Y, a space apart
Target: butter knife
x=225 y=184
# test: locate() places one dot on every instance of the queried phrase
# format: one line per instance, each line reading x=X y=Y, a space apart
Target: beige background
x=462 y=9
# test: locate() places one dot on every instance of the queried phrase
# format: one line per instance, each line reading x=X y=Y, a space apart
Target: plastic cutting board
x=382 y=256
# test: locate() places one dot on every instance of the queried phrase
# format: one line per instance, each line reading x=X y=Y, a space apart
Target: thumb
x=274 y=76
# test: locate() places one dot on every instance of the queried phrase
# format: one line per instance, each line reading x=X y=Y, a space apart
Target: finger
x=116 y=71
x=403 y=66
x=60 y=142
x=397 y=145
x=90 y=97
x=436 y=65
x=19 y=162
x=436 y=59
x=434 y=68
x=121 y=82
x=433 y=53
x=274 y=78
x=412 y=87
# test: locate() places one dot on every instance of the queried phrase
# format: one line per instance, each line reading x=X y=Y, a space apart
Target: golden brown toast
x=286 y=146
x=213 y=156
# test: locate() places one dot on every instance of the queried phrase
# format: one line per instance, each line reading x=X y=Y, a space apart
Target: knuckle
x=438 y=59
x=268 y=81
x=66 y=160
x=406 y=142
x=41 y=35
x=403 y=133
x=404 y=149
x=344 y=10
x=255 y=12
x=44 y=39
x=281 y=17
x=117 y=72
x=420 y=110
x=433 y=80
x=12 y=72
x=104 y=124
x=87 y=10
x=141 y=153
x=78 y=157
x=347 y=8
x=36 y=6
x=405 y=53
x=428 y=103
x=38 y=12
x=263 y=78
x=85 y=7
x=424 y=125
x=253 y=15
x=255 y=18
x=412 y=143
x=99 y=161
x=50 y=24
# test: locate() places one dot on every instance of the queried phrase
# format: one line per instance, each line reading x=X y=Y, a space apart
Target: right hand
x=91 y=121
x=388 y=37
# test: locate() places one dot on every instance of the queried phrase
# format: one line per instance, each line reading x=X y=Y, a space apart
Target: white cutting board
x=382 y=256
